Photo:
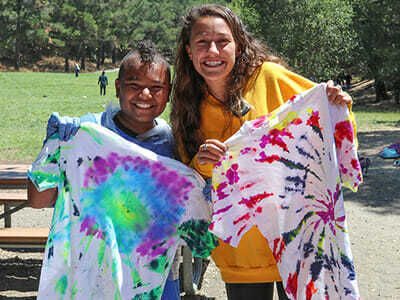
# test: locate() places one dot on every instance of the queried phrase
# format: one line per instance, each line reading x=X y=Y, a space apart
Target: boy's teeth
x=143 y=105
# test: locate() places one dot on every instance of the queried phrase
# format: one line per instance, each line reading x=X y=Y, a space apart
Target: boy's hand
x=211 y=152
x=66 y=127
x=336 y=95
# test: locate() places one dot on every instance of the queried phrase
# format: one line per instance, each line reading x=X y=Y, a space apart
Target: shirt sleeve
x=45 y=171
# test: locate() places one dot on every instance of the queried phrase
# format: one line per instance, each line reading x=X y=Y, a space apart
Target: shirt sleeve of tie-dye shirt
x=284 y=174
x=119 y=217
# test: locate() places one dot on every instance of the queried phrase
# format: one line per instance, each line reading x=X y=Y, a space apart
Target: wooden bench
x=23 y=237
x=17 y=200
x=13 y=174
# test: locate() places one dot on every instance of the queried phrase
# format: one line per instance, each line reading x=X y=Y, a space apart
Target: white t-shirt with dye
x=284 y=173
x=120 y=214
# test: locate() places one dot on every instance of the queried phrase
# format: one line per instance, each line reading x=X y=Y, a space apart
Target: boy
x=143 y=87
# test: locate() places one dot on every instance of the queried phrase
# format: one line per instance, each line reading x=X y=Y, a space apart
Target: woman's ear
x=188 y=51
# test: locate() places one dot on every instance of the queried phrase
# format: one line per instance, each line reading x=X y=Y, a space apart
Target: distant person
x=77 y=69
x=103 y=81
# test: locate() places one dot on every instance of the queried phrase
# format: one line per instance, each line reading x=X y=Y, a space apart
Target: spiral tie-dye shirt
x=120 y=215
x=284 y=173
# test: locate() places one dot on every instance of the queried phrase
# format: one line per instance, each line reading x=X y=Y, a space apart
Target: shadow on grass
x=381 y=187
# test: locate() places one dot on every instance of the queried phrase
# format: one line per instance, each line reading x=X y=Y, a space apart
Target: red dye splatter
x=279 y=247
x=259 y=209
x=269 y=159
x=253 y=200
x=244 y=217
x=291 y=287
x=249 y=185
x=211 y=226
x=314 y=120
x=259 y=122
x=220 y=193
x=241 y=229
x=310 y=290
x=343 y=130
x=355 y=164
x=296 y=121
x=274 y=137
x=228 y=240
x=222 y=210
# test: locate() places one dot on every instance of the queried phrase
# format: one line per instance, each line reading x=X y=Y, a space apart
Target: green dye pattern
x=151 y=295
x=61 y=285
x=95 y=135
x=291 y=235
x=74 y=290
x=66 y=251
x=159 y=264
x=44 y=181
x=321 y=244
x=126 y=210
x=137 y=280
x=100 y=254
x=198 y=238
x=53 y=158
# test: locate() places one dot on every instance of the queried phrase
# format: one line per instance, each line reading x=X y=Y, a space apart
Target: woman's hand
x=211 y=152
x=336 y=95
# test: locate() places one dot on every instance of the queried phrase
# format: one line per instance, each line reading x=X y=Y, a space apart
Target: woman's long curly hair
x=189 y=88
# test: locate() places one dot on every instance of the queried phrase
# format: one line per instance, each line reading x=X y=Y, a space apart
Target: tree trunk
x=83 y=60
x=18 y=41
x=66 y=65
x=380 y=90
x=113 y=55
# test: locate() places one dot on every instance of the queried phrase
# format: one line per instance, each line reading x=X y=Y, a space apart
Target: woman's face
x=212 y=49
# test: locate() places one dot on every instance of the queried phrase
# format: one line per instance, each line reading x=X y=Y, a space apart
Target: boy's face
x=143 y=93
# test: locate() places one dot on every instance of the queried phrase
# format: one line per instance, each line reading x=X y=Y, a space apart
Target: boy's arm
x=36 y=199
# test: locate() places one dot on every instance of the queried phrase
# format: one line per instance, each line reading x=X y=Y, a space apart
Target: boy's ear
x=117 y=87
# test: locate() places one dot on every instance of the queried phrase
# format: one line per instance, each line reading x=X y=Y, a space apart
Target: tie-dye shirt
x=120 y=215
x=284 y=174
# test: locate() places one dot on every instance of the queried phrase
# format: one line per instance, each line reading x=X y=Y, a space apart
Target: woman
x=225 y=77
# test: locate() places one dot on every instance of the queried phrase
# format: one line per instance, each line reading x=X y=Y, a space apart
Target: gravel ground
x=373 y=215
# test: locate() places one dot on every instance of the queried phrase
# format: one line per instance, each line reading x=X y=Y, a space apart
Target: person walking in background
x=225 y=77
x=77 y=69
x=103 y=81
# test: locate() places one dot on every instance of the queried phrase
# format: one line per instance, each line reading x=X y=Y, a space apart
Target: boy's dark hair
x=147 y=53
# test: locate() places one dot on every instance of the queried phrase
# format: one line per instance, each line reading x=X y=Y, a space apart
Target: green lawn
x=27 y=100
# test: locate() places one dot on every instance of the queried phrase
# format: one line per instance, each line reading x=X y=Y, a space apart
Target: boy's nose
x=146 y=92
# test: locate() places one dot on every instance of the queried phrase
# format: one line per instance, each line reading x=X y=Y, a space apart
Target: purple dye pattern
x=328 y=215
x=220 y=193
x=222 y=210
x=232 y=174
x=177 y=189
x=90 y=226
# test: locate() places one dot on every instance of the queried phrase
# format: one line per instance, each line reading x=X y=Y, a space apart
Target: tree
x=378 y=26
x=315 y=36
x=21 y=29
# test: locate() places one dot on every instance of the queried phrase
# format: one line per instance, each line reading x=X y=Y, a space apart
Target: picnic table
x=13 y=175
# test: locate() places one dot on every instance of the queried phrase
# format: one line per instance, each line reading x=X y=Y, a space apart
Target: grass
x=27 y=99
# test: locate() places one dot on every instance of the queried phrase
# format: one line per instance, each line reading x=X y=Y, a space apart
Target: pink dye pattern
x=302 y=216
